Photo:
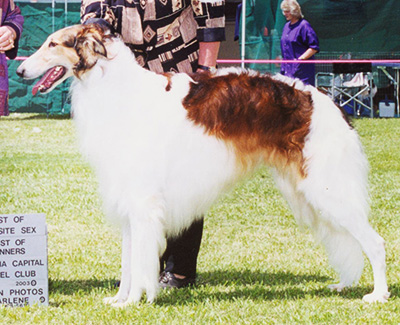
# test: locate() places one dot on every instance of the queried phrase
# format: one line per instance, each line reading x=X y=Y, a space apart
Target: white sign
x=23 y=260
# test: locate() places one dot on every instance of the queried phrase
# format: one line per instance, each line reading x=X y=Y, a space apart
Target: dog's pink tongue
x=48 y=79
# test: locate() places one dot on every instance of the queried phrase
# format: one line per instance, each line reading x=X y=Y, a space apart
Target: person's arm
x=307 y=54
x=97 y=11
x=311 y=39
x=208 y=54
x=10 y=31
x=210 y=19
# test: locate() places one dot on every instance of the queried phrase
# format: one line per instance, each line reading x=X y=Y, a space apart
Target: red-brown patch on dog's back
x=260 y=117
x=168 y=75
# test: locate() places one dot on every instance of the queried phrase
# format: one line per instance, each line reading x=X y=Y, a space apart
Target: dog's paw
x=121 y=304
x=151 y=294
x=126 y=303
x=336 y=287
x=110 y=300
x=376 y=297
x=134 y=297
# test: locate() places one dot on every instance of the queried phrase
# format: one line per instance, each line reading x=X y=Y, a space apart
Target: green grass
x=255 y=265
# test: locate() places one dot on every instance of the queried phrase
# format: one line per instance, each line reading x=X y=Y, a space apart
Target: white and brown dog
x=165 y=147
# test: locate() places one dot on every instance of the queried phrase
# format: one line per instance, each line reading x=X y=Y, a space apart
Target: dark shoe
x=168 y=280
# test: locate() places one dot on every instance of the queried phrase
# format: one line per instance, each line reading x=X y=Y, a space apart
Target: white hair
x=293 y=7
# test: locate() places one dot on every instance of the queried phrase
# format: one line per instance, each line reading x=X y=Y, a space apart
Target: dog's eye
x=52 y=44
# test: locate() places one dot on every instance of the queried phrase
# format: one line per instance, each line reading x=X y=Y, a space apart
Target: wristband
x=205 y=68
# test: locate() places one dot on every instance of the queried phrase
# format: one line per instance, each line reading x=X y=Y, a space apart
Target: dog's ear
x=99 y=48
x=89 y=46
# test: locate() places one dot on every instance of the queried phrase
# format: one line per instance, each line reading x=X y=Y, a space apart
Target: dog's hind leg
x=344 y=246
x=373 y=246
x=124 y=286
x=344 y=252
x=335 y=186
x=343 y=228
x=148 y=242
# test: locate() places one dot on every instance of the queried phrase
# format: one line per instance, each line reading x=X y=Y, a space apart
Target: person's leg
x=179 y=261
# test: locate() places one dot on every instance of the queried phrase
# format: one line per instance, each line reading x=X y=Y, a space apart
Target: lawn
x=255 y=265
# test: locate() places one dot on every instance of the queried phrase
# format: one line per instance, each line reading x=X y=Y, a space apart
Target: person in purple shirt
x=10 y=33
x=299 y=42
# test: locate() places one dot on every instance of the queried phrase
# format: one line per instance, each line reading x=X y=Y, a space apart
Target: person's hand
x=7 y=38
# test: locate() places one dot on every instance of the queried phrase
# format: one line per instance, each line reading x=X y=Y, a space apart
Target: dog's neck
x=120 y=66
x=116 y=48
x=117 y=52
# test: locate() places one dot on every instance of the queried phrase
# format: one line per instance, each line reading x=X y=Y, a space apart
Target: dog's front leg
x=125 y=283
x=147 y=244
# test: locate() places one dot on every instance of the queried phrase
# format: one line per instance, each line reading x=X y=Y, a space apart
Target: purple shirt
x=296 y=39
x=11 y=16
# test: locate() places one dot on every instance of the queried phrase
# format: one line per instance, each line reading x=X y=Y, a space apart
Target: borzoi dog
x=166 y=146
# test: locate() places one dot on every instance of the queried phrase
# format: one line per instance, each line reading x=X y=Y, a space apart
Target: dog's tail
x=344 y=252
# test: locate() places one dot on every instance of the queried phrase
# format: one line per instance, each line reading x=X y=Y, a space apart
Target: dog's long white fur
x=157 y=171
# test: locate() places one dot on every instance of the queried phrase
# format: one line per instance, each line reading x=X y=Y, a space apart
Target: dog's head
x=70 y=51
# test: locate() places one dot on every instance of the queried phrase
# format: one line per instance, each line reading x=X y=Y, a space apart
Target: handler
x=168 y=35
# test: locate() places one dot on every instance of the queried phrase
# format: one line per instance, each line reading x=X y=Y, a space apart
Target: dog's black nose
x=21 y=72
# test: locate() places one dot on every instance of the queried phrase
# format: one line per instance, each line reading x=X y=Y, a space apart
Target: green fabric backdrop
x=363 y=28
x=41 y=19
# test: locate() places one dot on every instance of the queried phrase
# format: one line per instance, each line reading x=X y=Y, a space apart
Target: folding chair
x=348 y=92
